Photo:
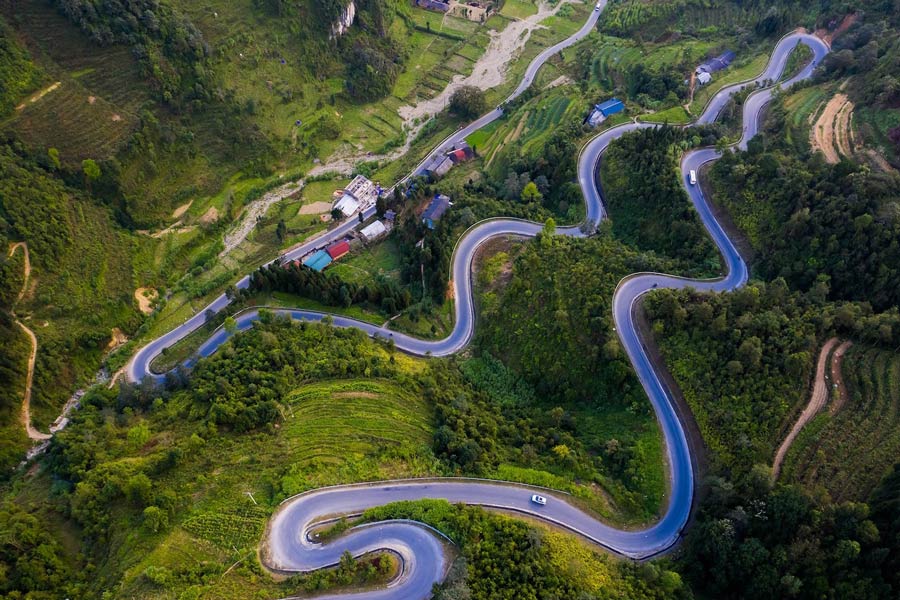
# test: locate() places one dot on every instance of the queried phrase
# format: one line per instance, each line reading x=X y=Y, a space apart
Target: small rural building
x=461 y=155
x=338 y=249
x=373 y=231
x=436 y=210
x=603 y=110
x=703 y=78
x=318 y=260
x=390 y=216
x=441 y=168
x=723 y=61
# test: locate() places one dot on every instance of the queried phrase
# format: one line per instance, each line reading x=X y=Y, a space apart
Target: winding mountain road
x=287 y=547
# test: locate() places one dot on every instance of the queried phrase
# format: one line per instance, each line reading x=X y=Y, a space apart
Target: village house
x=436 y=209
x=603 y=111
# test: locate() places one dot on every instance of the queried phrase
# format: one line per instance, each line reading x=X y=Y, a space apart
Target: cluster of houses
x=705 y=71
x=473 y=10
x=320 y=258
x=457 y=155
x=359 y=195
x=604 y=110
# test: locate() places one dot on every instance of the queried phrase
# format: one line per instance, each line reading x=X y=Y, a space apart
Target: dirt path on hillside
x=38 y=95
x=836 y=360
x=816 y=402
x=832 y=131
x=25 y=414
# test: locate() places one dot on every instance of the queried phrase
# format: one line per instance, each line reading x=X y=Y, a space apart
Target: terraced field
x=848 y=452
x=94 y=108
x=350 y=427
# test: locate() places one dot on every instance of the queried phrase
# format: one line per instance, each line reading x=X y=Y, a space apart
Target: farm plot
x=848 y=452
x=344 y=431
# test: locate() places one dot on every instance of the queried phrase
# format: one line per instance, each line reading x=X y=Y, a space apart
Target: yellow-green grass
x=518 y=9
x=848 y=453
x=336 y=427
x=334 y=431
x=733 y=74
x=382 y=259
x=673 y=115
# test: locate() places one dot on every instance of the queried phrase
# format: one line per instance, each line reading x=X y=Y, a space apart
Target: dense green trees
x=33 y=207
x=646 y=200
x=815 y=224
x=32 y=562
x=384 y=294
x=18 y=74
x=753 y=542
x=171 y=49
x=468 y=102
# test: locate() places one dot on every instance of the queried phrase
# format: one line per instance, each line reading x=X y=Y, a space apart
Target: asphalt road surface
x=287 y=546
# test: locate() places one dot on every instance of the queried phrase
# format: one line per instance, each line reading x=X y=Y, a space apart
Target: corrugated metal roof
x=437 y=208
x=318 y=261
x=373 y=230
x=338 y=249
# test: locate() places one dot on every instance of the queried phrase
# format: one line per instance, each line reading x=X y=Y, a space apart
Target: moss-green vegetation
x=811 y=223
x=742 y=361
x=506 y=558
x=646 y=200
x=848 y=453
x=552 y=324
x=18 y=75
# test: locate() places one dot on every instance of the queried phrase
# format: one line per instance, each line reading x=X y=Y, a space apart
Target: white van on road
x=693 y=177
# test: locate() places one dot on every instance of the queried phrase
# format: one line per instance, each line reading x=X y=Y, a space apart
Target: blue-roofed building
x=723 y=61
x=605 y=109
x=435 y=210
x=317 y=261
x=611 y=107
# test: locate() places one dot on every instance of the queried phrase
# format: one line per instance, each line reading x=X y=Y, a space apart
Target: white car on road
x=539 y=500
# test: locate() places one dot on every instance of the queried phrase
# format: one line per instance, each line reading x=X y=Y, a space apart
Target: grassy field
x=385 y=431
x=847 y=453
x=674 y=115
x=381 y=259
x=518 y=9
x=741 y=70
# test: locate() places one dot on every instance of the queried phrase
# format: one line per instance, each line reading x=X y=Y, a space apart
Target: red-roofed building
x=337 y=250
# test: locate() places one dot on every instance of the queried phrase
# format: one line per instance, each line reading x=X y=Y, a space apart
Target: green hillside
x=848 y=452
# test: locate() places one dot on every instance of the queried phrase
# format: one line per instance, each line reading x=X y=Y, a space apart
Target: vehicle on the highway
x=539 y=500
x=597 y=7
x=693 y=177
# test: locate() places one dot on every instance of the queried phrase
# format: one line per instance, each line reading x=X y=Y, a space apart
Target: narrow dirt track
x=836 y=360
x=816 y=402
x=32 y=433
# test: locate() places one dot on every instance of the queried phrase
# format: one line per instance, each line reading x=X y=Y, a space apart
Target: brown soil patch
x=832 y=132
x=118 y=338
x=816 y=401
x=829 y=36
x=836 y=377
x=179 y=212
x=315 y=208
x=92 y=99
x=355 y=395
x=116 y=118
x=210 y=216
x=144 y=297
